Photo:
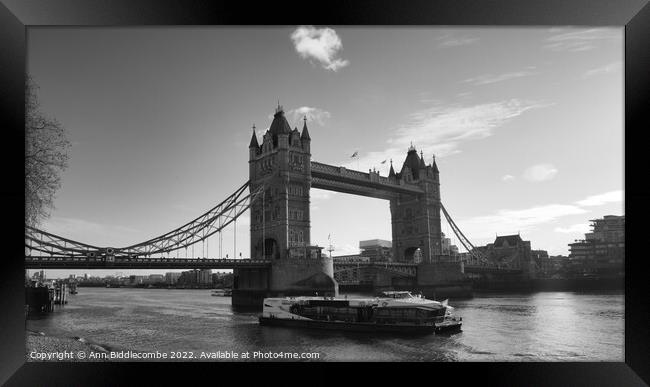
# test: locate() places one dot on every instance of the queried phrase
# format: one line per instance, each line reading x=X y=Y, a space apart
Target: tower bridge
x=277 y=195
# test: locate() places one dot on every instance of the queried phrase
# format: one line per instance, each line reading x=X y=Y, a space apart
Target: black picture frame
x=18 y=15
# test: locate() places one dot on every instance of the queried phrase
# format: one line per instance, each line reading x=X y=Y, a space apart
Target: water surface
x=545 y=326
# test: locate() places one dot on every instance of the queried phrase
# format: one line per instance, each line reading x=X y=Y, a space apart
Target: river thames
x=544 y=326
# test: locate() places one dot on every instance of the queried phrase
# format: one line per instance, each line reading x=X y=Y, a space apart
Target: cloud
x=580 y=228
x=313 y=115
x=441 y=129
x=582 y=40
x=481 y=229
x=540 y=172
x=508 y=221
x=507 y=178
x=491 y=78
x=319 y=45
x=606 y=69
x=443 y=126
x=455 y=40
x=599 y=200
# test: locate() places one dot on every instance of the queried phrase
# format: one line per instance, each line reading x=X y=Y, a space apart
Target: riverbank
x=41 y=347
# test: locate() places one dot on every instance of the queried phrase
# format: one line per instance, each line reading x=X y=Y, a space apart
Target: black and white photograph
x=324 y=193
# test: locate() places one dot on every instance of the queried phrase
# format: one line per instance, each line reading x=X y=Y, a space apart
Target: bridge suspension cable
x=197 y=230
x=473 y=251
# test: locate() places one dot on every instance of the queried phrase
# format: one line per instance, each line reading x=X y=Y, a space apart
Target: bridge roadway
x=42 y=262
x=341 y=179
x=59 y=262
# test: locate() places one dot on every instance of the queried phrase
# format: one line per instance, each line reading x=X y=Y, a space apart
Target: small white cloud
x=606 y=69
x=319 y=45
x=492 y=78
x=599 y=200
x=507 y=178
x=455 y=40
x=582 y=40
x=580 y=228
x=313 y=115
x=540 y=172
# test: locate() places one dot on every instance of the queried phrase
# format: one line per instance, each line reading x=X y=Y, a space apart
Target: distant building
x=541 y=260
x=222 y=280
x=205 y=277
x=602 y=252
x=510 y=251
x=609 y=229
x=189 y=277
x=557 y=266
x=39 y=276
x=196 y=278
x=449 y=252
x=156 y=278
x=171 y=278
x=377 y=250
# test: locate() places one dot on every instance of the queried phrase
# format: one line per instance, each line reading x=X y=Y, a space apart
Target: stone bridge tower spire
x=417 y=234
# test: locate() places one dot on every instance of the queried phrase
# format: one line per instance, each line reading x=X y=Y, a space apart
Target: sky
x=526 y=125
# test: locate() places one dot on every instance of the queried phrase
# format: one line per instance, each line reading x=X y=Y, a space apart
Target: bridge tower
x=280 y=225
x=417 y=234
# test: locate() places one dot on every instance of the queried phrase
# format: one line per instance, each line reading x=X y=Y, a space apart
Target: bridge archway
x=271 y=249
x=413 y=255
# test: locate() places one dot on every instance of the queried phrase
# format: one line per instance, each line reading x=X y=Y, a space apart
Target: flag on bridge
x=355 y=154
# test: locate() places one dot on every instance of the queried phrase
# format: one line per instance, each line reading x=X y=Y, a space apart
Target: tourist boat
x=397 y=312
x=222 y=292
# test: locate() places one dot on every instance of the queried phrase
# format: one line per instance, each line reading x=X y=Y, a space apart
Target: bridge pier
x=502 y=282
x=443 y=280
x=286 y=277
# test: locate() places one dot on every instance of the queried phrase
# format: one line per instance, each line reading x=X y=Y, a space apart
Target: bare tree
x=46 y=157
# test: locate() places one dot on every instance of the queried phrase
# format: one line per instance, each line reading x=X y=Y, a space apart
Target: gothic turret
x=254 y=147
x=279 y=126
x=391 y=173
x=305 y=132
x=305 y=139
x=412 y=162
x=254 y=143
